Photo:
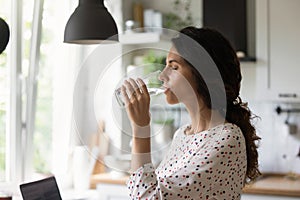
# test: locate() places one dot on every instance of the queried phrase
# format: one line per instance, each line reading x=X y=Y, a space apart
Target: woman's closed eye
x=173 y=67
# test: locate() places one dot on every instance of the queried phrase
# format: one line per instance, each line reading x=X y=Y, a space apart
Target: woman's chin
x=172 y=102
x=171 y=98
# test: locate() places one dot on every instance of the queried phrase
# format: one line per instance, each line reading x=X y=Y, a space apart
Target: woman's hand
x=137 y=102
x=137 y=107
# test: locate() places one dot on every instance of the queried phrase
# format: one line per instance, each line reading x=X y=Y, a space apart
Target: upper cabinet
x=278 y=50
x=235 y=19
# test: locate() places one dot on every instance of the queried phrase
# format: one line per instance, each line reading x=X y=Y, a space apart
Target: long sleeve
x=208 y=165
x=143 y=183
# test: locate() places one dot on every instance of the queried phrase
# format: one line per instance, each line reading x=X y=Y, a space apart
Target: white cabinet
x=278 y=50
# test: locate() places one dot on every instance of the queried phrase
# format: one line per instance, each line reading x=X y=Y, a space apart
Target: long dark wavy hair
x=228 y=65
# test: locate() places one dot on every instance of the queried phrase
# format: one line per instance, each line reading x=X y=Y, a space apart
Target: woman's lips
x=166 y=90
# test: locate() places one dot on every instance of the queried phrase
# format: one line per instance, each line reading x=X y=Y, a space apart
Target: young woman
x=213 y=156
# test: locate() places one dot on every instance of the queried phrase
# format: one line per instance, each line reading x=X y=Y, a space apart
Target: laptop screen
x=45 y=189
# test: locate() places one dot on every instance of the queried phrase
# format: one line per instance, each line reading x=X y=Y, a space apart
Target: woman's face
x=178 y=79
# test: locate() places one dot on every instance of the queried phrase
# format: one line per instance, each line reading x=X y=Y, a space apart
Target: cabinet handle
x=288 y=95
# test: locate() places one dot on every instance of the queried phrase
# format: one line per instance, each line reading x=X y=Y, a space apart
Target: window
x=55 y=70
x=4 y=97
x=41 y=48
x=37 y=77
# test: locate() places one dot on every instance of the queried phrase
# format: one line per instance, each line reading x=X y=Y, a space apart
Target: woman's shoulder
x=227 y=127
x=181 y=130
x=224 y=128
x=232 y=128
x=231 y=133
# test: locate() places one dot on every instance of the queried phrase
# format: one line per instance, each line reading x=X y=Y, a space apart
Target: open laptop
x=45 y=189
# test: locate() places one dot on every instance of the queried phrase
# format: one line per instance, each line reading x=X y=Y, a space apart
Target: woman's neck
x=202 y=118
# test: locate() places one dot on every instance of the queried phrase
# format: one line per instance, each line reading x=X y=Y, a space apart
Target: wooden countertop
x=107 y=178
x=268 y=184
x=275 y=184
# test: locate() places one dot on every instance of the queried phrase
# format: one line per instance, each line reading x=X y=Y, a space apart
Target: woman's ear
x=4 y=35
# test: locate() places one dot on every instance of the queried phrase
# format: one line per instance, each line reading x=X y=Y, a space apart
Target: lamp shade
x=91 y=23
x=4 y=35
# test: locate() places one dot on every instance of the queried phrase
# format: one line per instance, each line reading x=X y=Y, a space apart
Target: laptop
x=45 y=189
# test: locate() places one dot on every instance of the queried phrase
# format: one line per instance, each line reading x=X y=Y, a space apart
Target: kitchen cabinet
x=278 y=50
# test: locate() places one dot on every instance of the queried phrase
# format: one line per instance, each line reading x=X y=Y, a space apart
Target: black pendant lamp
x=4 y=35
x=91 y=23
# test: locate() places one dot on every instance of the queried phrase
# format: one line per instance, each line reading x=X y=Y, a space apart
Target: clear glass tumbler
x=154 y=86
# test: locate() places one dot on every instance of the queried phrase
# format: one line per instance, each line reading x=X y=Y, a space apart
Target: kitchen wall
x=99 y=74
x=278 y=148
x=100 y=71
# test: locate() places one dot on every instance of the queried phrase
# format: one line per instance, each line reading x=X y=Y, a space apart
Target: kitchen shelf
x=247 y=59
x=139 y=38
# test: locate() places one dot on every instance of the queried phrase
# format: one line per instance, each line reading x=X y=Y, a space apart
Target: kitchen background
x=88 y=75
x=280 y=144
x=270 y=81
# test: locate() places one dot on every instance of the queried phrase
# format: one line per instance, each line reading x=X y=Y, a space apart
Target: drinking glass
x=153 y=84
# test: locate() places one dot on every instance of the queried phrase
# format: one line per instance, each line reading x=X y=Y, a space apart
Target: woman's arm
x=137 y=108
x=141 y=147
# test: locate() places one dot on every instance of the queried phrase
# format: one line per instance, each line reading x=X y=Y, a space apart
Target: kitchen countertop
x=267 y=184
x=275 y=184
x=107 y=178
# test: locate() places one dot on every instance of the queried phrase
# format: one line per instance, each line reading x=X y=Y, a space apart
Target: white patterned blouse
x=207 y=165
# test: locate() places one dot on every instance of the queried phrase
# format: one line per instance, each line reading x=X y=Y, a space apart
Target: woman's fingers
x=136 y=89
x=125 y=95
x=143 y=87
x=130 y=90
x=129 y=87
x=135 y=86
x=137 y=102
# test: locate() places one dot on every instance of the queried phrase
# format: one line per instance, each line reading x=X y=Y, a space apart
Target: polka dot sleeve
x=143 y=182
x=207 y=165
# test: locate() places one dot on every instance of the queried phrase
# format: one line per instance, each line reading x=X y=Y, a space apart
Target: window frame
x=13 y=158
x=20 y=125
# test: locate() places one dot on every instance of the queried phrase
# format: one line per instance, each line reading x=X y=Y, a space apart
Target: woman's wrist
x=141 y=132
x=141 y=145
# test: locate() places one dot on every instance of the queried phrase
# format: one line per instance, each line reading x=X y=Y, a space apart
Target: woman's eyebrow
x=173 y=60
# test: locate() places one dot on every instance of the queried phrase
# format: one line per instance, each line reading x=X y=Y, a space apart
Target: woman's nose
x=161 y=76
